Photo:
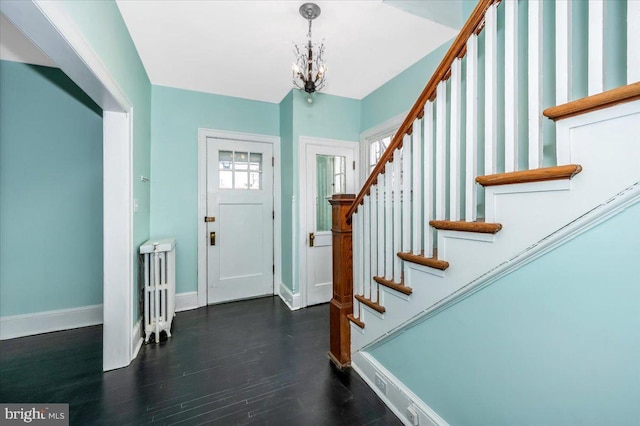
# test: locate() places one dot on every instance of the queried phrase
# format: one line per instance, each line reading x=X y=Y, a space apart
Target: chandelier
x=309 y=68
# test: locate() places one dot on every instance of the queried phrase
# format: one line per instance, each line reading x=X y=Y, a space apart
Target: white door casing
x=316 y=266
x=240 y=198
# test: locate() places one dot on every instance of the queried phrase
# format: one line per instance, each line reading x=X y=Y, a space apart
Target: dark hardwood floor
x=249 y=362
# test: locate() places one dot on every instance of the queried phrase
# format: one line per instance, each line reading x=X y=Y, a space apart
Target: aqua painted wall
x=286 y=160
x=556 y=342
x=50 y=192
x=103 y=28
x=398 y=95
x=176 y=116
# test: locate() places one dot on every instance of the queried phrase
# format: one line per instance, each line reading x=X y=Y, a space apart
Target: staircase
x=503 y=149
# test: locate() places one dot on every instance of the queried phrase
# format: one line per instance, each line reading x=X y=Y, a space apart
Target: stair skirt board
x=609 y=175
x=361 y=341
x=396 y=395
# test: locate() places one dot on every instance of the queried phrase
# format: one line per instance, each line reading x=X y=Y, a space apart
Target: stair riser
x=528 y=212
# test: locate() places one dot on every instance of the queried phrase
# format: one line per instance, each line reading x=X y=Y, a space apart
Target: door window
x=331 y=179
x=240 y=170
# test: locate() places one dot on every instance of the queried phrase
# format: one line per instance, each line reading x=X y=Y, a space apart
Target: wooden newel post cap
x=341 y=204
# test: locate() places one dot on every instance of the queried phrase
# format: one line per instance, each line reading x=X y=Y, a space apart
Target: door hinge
x=273 y=161
x=274 y=269
x=273 y=214
x=354 y=165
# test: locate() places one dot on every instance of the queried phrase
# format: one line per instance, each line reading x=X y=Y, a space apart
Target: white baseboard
x=396 y=395
x=186 y=301
x=136 y=339
x=45 y=322
x=293 y=301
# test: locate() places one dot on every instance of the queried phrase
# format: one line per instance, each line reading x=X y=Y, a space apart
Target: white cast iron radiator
x=159 y=286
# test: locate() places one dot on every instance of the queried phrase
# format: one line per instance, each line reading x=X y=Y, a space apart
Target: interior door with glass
x=239 y=220
x=330 y=170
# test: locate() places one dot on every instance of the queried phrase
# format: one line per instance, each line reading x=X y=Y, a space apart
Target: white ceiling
x=245 y=48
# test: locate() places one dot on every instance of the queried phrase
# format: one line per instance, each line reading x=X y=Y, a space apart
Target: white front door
x=240 y=214
x=329 y=170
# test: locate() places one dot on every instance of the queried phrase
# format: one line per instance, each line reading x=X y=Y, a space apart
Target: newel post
x=342 y=301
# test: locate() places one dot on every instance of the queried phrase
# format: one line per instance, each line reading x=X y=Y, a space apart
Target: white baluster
x=535 y=79
x=596 y=47
x=388 y=221
x=491 y=90
x=355 y=252
x=416 y=185
x=380 y=247
x=441 y=150
x=427 y=178
x=472 y=129
x=563 y=51
x=373 y=249
x=511 y=86
x=633 y=35
x=406 y=194
x=363 y=252
x=367 y=247
x=455 y=124
x=397 y=222
x=563 y=68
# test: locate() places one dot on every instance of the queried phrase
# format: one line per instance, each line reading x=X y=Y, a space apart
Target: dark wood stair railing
x=341 y=306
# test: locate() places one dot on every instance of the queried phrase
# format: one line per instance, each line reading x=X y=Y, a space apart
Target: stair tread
x=370 y=303
x=457 y=225
x=526 y=176
x=431 y=262
x=627 y=93
x=392 y=285
x=355 y=320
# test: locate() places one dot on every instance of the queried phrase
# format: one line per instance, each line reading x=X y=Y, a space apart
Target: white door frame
x=302 y=207
x=48 y=26
x=203 y=135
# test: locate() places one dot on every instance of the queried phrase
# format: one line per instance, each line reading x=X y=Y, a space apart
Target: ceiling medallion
x=309 y=68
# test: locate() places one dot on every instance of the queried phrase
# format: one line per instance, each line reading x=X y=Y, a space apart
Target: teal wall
x=556 y=342
x=176 y=116
x=286 y=163
x=103 y=28
x=398 y=95
x=50 y=192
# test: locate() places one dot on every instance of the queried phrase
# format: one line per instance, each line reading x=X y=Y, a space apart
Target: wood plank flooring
x=248 y=362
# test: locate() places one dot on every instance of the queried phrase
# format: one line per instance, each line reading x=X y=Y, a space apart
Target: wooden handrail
x=475 y=21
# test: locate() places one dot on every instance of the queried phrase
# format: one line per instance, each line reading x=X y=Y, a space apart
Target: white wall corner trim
x=136 y=339
x=292 y=300
x=396 y=395
x=45 y=322
x=187 y=301
x=203 y=135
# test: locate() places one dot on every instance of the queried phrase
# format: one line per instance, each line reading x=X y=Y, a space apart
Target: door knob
x=311 y=238
x=212 y=238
